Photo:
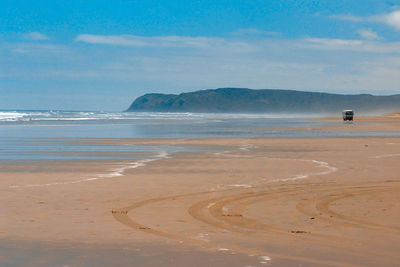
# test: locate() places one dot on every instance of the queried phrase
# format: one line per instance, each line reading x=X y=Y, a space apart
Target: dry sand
x=259 y=201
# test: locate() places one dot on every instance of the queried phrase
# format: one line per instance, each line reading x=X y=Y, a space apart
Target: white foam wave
x=246 y=147
x=240 y=185
x=11 y=116
x=321 y=164
x=265 y=258
x=117 y=172
x=385 y=156
x=203 y=237
x=50 y=115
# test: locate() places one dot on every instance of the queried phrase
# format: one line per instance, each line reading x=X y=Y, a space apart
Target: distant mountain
x=235 y=100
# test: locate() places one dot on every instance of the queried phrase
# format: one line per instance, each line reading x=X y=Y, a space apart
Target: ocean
x=33 y=134
x=143 y=125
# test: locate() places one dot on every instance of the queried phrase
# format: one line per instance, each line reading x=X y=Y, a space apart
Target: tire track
x=235 y=221
x=323 y=206
x=214 y=212
x=121 y=215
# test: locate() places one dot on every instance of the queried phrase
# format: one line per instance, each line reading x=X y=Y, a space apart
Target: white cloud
x=335 y=43
x=242 y=46
x=212 y=43
x=238 y=45
x=348 y=18
x=37 y=36
x=143 y=41
x=364 y=46
x=391 y=19
x=123 y=40
x=254 y=32
x=368 y=34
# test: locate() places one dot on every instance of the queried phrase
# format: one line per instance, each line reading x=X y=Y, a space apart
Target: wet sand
x=387 y=123
x=247 y=202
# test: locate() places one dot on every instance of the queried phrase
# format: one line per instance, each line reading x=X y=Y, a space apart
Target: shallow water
x=37 y=134
x=34 y=124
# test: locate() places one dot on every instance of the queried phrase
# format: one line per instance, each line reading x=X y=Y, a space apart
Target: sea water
x=32 y=134
x=142 y=125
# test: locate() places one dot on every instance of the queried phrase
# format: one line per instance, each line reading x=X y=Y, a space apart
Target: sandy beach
x=331 y=201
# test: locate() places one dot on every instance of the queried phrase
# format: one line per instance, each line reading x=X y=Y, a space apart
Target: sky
x=101 y=55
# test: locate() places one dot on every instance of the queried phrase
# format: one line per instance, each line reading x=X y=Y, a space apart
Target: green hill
x=234 y=100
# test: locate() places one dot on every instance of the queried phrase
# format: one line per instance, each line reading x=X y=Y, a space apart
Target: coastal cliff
x=236 y=100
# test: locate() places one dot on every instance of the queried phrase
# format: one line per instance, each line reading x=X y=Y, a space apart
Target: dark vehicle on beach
x=348 y=115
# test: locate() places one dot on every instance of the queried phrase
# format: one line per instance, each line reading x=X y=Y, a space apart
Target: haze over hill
x=234 y=100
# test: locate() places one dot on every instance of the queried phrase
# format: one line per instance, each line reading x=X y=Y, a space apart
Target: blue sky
x=100 y=55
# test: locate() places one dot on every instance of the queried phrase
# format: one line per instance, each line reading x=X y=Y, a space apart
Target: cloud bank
x=171 y=62
x=125 y=66
x=154 y=41
x=244 y=45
